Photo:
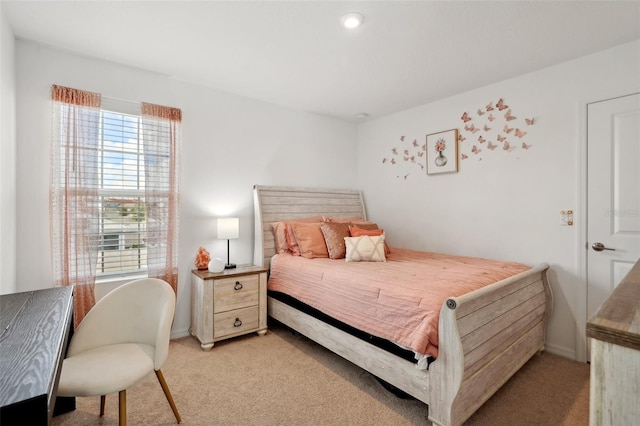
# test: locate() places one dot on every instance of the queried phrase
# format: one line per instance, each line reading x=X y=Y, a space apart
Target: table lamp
x=228 y=229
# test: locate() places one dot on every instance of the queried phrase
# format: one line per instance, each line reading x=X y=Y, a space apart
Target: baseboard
x=177 y=334
x=560 y=350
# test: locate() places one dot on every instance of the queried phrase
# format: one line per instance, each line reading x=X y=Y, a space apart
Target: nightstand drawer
x=237 y=321
x=236 y=292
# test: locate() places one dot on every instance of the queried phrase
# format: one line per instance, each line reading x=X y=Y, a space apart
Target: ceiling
x=295 y=54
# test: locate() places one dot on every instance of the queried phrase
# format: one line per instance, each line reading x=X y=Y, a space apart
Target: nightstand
x=228 y=304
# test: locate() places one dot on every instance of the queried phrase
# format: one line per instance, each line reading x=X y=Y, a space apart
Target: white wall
x=229 y=144
x=503 y=205
x=7 y=159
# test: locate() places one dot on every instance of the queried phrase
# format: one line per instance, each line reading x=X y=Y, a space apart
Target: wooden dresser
x=615 y=356
x=228 y=304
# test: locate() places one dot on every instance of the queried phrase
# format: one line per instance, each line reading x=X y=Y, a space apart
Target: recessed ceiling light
x=362 y=115
x=352 y=20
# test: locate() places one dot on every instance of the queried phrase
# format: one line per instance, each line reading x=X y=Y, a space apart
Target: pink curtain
x=74 y=198
x=162 y=135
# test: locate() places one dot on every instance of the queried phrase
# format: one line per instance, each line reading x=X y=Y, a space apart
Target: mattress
x=398 y=300
x=388 y=346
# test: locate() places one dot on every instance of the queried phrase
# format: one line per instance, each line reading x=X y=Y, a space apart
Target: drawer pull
x=238 y=286
x=237 y=323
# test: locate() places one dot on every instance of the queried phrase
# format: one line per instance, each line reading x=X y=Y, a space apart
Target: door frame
x=581 y=218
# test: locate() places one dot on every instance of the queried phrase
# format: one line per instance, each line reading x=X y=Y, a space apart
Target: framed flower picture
x=442 y=152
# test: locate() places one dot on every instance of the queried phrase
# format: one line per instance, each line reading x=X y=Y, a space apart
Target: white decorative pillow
x=365 y=249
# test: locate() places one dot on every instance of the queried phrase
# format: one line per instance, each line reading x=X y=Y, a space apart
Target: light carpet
x=285 y=379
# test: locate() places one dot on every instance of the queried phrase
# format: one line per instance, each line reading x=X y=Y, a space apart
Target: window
x=114 y=167
x=114 y=196
x=122 y=220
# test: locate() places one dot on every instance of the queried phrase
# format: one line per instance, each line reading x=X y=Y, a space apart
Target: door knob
x=600 y=247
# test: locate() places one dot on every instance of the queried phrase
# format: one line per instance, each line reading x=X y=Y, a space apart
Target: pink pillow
x=370 y=229
x=280 y=236
x=292 y=244
x=360 y=232
x=309 y=239
x=280 y=229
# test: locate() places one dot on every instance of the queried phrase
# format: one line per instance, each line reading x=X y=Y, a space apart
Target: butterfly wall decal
x=384 y=160
x=492 y=138
x=402 y=138
x=508 y=147
x=471 y=128
x=394 y=151
x=393 y=161
x=519 y=133
x=508 y=115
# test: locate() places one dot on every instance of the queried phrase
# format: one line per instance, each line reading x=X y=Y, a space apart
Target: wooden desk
x=34 y=331
x=615 y=355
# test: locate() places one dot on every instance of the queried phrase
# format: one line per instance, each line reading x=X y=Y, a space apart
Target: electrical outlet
x=566 y=218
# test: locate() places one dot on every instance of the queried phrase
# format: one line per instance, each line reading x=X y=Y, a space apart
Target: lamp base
x=229 y=266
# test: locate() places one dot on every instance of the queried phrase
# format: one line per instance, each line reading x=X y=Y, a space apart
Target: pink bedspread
x=398 y=300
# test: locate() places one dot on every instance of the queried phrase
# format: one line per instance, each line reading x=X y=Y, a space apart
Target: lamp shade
x=228 y=228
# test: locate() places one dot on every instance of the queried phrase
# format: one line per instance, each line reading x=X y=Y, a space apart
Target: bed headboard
x=276 y=203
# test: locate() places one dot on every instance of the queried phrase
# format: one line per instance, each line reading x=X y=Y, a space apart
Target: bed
x=485 y=335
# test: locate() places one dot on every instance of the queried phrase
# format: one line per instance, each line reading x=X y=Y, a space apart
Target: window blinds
x=123 y=219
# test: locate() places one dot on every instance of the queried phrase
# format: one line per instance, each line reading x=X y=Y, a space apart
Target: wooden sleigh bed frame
x=484 y=336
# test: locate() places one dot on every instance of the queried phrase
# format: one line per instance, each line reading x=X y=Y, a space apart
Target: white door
x=613 y=195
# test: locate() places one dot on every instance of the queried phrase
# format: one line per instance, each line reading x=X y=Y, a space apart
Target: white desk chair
x=124 y=337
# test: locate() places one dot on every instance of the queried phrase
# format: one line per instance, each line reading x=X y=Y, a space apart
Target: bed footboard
x=485 y=337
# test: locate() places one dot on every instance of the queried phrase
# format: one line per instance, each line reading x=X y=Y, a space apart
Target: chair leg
x=167 y=393
x=123 y=408
x=103 y=399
